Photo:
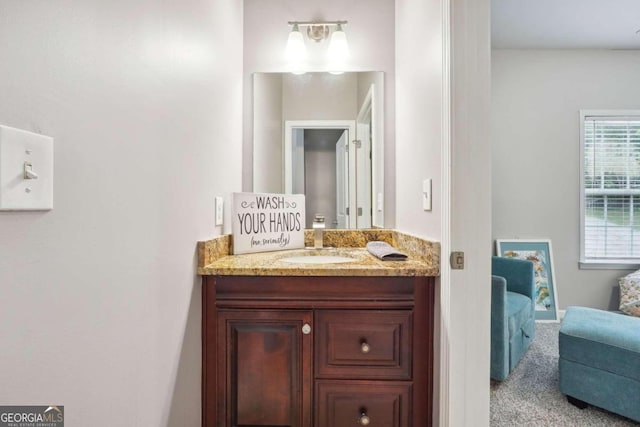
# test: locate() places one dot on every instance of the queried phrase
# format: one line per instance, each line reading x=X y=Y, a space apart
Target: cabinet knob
x=364 y=420
x=306 y=329
x=365 y=347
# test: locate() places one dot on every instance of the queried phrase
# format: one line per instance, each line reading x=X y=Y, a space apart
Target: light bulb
x=338 y=48
x=296 y=50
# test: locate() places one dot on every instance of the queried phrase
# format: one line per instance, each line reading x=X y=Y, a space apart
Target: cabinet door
x=363 y=403
x=266 y=366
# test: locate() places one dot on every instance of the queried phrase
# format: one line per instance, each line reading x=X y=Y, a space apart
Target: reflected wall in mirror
x=321 y=135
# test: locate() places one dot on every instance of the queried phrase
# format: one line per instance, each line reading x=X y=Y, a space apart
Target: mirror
x=321 y=135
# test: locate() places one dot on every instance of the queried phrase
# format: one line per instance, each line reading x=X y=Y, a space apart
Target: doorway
x=325 y=160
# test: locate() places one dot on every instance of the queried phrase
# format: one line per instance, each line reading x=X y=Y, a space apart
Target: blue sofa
x=600 y=360
x=512 y=313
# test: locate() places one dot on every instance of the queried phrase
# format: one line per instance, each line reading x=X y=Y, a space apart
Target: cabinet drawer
x=360 y=403
x=363 y=344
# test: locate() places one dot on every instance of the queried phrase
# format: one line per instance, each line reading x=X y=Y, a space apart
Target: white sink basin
x=317 y=259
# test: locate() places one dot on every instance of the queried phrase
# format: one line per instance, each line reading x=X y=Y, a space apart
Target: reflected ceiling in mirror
x=321 y=134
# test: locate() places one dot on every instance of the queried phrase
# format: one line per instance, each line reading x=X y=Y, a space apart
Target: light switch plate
x=426 y=194
x=219 y=210
x=26 y=170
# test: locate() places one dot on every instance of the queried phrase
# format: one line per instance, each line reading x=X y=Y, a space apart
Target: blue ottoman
x=600 y=360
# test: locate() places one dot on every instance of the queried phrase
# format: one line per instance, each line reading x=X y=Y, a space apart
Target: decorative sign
x=267 y=222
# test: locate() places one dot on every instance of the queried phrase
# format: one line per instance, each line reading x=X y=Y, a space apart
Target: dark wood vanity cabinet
x=317 y=351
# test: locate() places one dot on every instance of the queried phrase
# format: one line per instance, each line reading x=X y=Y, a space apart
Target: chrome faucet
x=318 y=229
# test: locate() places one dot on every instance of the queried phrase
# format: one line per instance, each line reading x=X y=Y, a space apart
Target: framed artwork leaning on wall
x=539 y=252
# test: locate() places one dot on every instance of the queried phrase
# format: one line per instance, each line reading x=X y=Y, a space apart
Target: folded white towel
x=385 y=251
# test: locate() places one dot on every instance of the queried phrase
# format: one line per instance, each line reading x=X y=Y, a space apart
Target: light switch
x=426 y=194
x=26 y=170
x=219 y=210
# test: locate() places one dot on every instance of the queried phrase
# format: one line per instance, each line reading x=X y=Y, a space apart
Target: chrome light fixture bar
x=318 y=30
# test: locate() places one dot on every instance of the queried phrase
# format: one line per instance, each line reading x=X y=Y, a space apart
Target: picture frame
x=540 y=253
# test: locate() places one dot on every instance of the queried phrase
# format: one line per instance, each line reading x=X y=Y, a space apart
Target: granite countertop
x=215 y=257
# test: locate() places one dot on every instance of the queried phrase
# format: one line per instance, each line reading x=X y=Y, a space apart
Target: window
x=610 y=199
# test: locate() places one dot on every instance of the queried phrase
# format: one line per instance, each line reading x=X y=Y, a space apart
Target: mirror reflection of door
x=320 y=99
x=342 y=181
x=364 y=136
x=314 y=148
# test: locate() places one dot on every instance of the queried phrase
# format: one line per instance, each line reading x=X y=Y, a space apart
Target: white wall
x=537 y=95
x=418 y=114
x=99 y=300
x=267 y=133
x=419 y=87
x=319 y=96
x=371 y=36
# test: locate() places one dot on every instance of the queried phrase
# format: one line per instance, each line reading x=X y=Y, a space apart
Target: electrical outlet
x=426 y=194
x=219 y=210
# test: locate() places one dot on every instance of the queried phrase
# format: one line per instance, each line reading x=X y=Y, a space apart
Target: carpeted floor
x=530 y=395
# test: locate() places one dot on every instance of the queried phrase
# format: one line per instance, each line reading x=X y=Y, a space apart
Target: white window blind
x=611 y=188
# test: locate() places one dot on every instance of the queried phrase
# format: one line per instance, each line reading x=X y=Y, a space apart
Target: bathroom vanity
x=326 y=345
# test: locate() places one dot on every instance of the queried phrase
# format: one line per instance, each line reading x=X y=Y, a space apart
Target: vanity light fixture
x=317 y=31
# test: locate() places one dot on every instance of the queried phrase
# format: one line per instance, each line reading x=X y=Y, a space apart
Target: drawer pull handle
x=365 y=347
x=364 y=420
x=306 y=329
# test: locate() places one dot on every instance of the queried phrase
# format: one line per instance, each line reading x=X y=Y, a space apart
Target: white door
x=363 y=174
x=342 y=181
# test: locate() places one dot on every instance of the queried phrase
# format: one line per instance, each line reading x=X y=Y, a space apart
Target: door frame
x=466 y=214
